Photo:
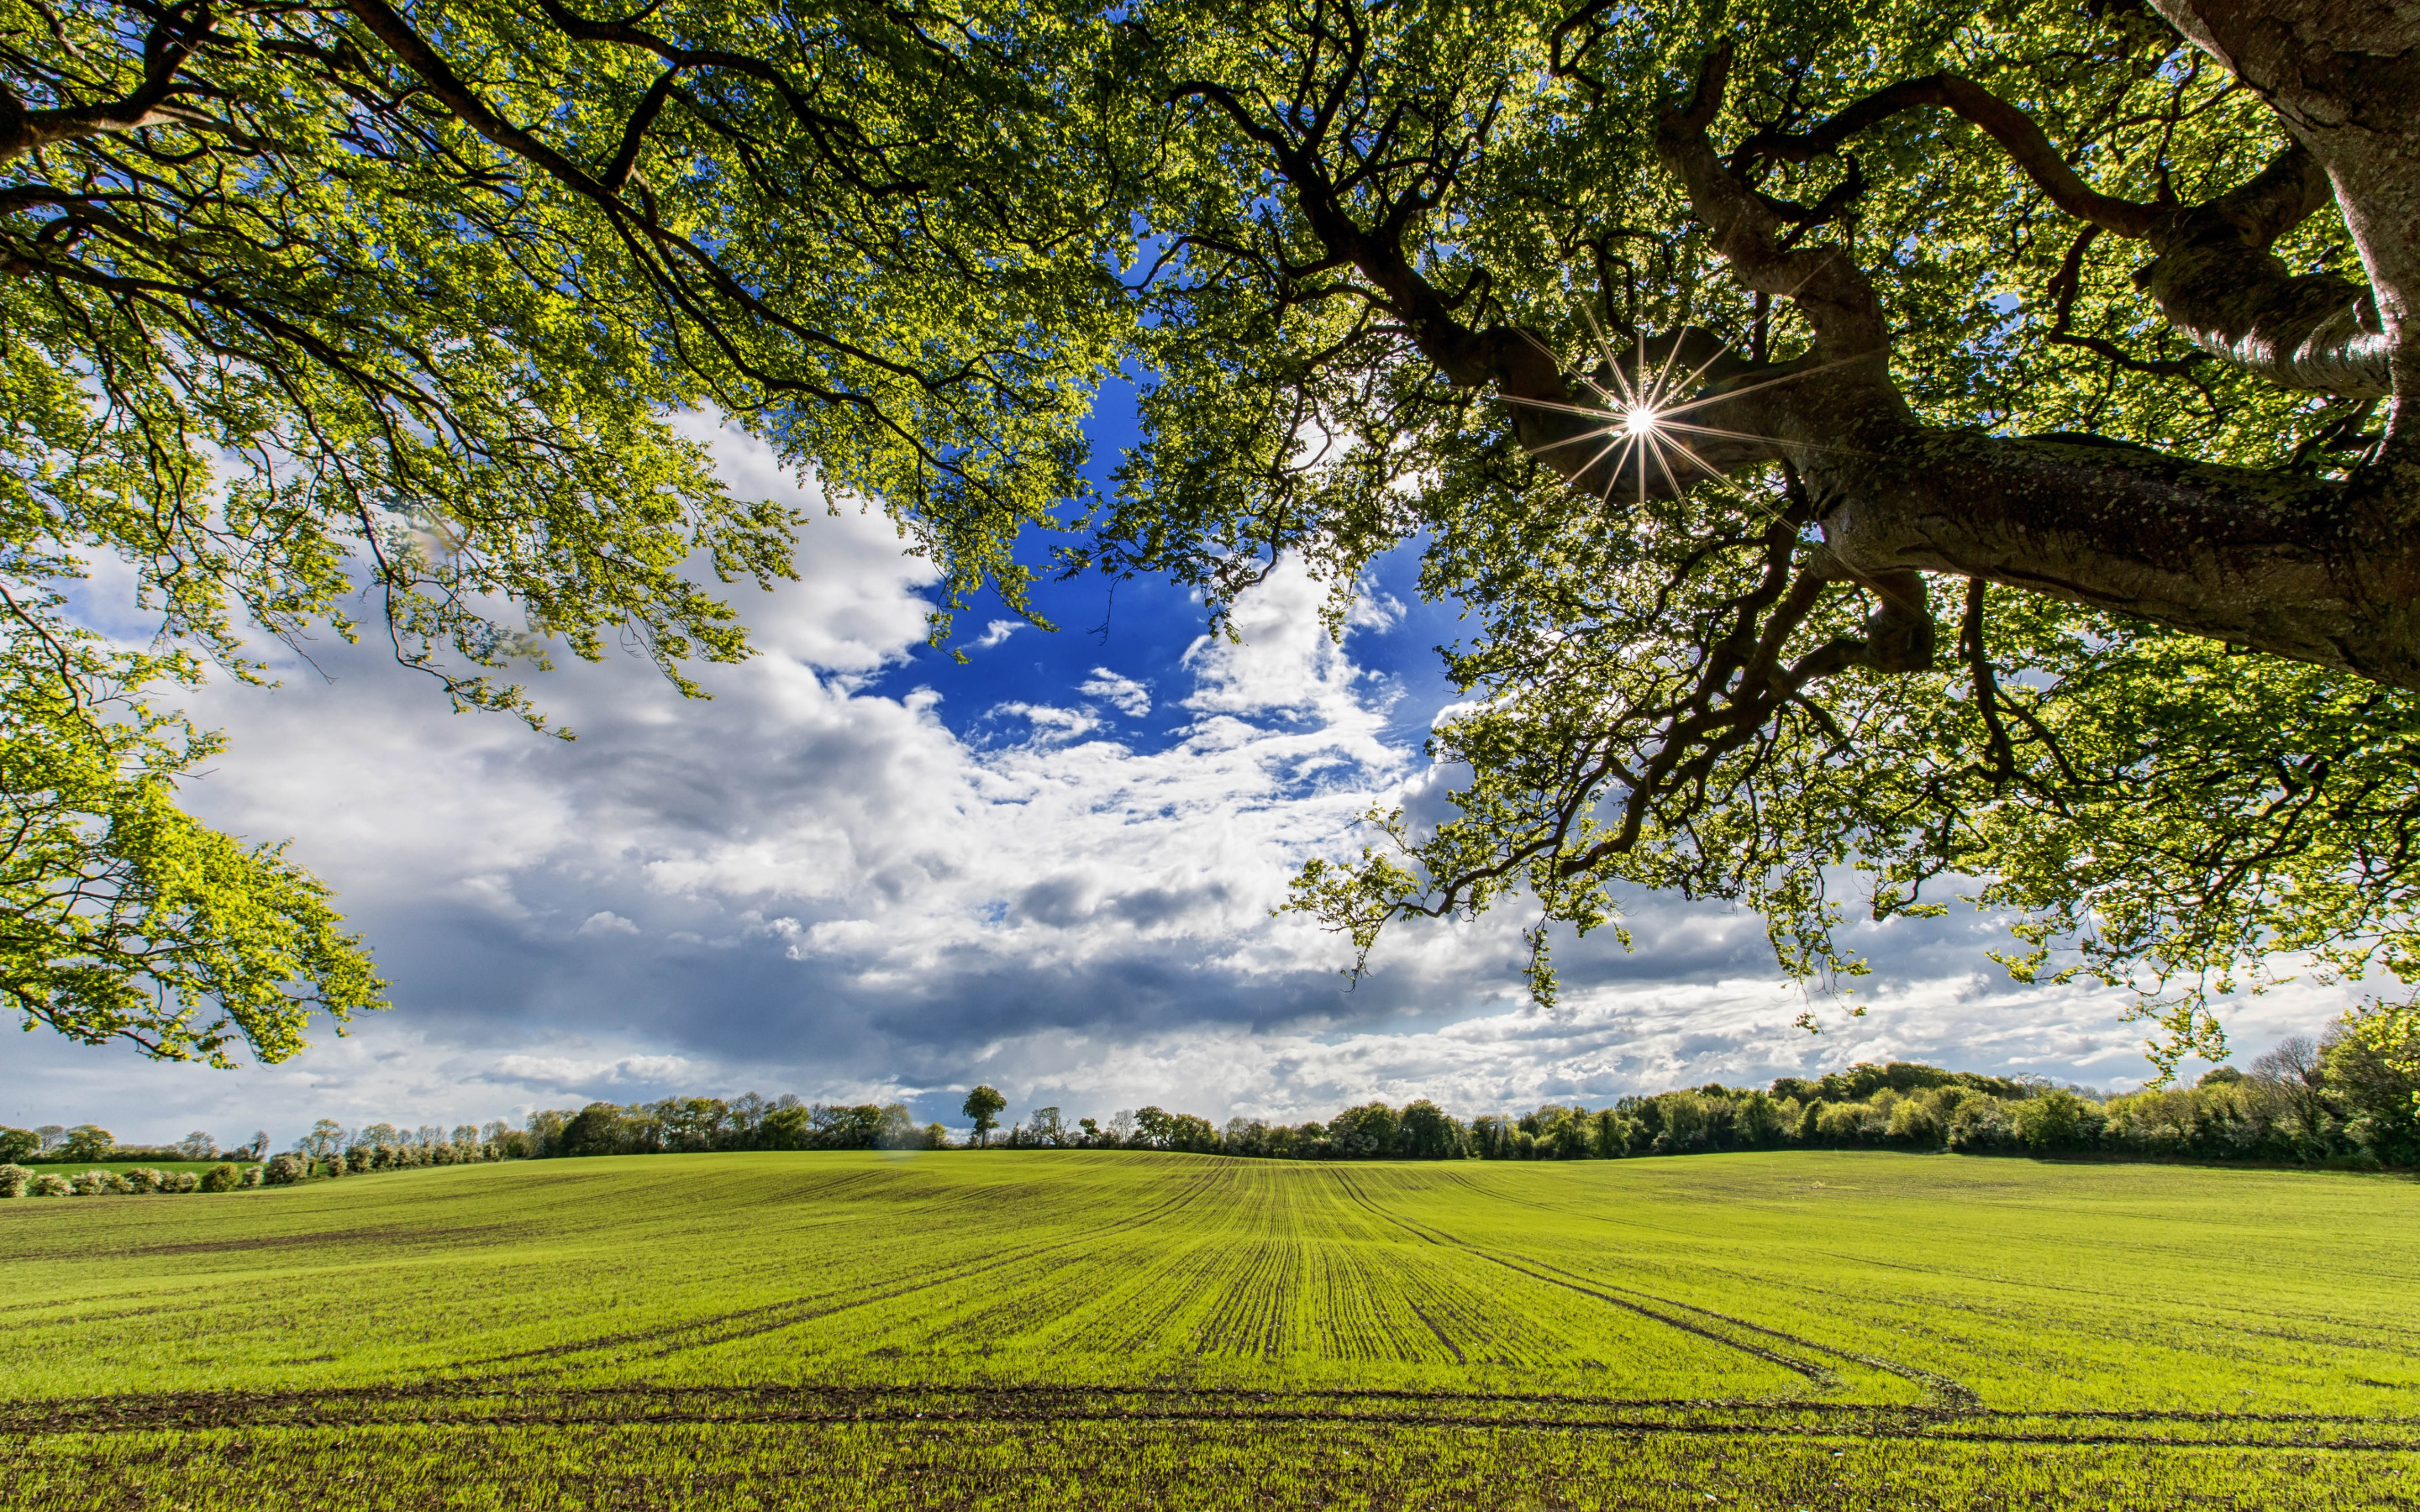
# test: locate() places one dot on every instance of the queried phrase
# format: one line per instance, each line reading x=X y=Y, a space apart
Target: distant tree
x=594 y=1130
x=18 y=1144
x=1608 y=1135
x=745 y=1117
x=847 y=1128
x=1362 y=1132
x=1758 y=1119
x=982 y=1105
x=1562 y=1134
x=1426 y=1131
x=2053 y=1120
x=53 y=1135
x=1046 y=1127
x=258 y=1149
x=87 y=1141
x=1092 y=1128
x=198 y=1145
x=784 y=1128
x=326 y=1137
x=545 y=1130
x=2293 y=1069
x=2219 y=1076
x=897 y=1128
x=691 y=1122
x=936 y=1135
x=1151 y=1126
x=1122 y=1126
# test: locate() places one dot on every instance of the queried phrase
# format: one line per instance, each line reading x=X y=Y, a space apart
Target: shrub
x=99 y=1184
x=51 y=1184
x=360 y=1158
x=284 y=1170
x=251 y=1178
x=14 y=1179
x=224 y=1176
x=181 y=1181
x=146 y=1179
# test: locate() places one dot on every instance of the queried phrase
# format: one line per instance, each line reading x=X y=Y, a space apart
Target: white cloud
x=1123 y=694
x=996 y=632
x=806 y=885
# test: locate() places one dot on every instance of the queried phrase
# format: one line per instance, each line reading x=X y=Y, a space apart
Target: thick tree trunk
x=2344 y=75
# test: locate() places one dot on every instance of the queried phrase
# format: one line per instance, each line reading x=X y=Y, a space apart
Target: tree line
x=2340 y=1100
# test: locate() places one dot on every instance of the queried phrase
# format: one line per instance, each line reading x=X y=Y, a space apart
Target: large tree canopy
x=1966 y=449
x=305 y=305
x=1887 y=438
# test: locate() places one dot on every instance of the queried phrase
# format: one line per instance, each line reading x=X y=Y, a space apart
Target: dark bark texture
x=2321 y=570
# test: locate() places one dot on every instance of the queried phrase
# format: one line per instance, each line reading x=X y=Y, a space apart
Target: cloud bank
x=816 y=883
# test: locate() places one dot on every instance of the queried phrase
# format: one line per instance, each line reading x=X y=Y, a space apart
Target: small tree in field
x=982 y=1105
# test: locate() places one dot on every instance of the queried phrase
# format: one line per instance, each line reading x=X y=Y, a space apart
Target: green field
x=1085 y=1330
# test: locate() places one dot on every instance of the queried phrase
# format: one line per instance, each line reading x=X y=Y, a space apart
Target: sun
x=1639 y=419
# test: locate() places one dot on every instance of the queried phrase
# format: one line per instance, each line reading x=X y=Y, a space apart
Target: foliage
x=121 y=917
x=1413 y=254
x=14 y=1179
x=284 y=1169
x=983 y=1105
x=18 y=1144
x=303 y=309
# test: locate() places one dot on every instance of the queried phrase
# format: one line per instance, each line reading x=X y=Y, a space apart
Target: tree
x=1427 y=1132
x=198 y=1145
x=390 y=302
x=1963 y=447
x=1929 y=450
x=594 y=1130
x=87 y=1141
x=982 y=1105
x=19 y=1145
x=327 y=1136
x=2294 y=1067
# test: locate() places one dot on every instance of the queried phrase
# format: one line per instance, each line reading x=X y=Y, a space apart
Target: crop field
x=1063 y=1329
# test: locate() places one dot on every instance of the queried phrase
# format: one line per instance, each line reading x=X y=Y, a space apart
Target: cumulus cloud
x=996 y=632
x=809 y=885
x=1123 y=694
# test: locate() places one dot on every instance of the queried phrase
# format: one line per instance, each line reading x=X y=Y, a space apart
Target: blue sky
x=865 y=871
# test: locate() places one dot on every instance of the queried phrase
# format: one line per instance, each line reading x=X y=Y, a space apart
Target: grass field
x=1088 y=1329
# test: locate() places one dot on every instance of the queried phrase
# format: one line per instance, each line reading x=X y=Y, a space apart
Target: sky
x=865 y=870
